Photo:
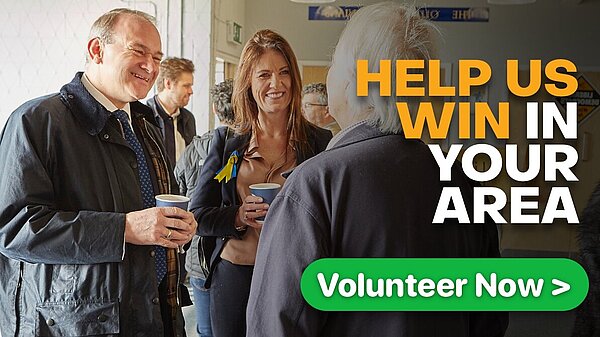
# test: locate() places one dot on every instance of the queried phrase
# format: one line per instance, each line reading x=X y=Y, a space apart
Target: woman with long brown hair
x=272 y=137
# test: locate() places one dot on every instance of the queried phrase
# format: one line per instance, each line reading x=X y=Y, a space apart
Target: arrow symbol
x=562 y=287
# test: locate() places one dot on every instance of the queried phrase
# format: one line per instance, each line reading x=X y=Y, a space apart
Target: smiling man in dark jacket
x=82 y=249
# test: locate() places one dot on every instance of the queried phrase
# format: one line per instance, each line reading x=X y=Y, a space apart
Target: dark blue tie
x=145 y=184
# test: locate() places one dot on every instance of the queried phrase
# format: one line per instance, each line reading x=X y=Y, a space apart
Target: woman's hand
x=252 y=208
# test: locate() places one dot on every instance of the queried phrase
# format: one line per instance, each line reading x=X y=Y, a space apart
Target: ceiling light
x=510 y=2
x=313 y=1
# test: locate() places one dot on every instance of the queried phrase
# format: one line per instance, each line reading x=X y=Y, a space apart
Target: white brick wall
x=42 y=44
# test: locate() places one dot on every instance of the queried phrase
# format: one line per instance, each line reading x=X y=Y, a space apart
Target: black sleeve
x=214 y=218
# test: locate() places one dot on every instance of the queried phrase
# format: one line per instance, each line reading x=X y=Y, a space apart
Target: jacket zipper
x=18 y=299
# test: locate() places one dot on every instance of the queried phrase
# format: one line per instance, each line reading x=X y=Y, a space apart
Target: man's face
x=129 y=66
x=315 y=111
x=180 y=91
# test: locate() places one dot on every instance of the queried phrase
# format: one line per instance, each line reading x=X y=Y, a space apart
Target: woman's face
x=271 y=83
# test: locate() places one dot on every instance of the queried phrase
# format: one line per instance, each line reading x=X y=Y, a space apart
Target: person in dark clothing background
x=372 y=194
x=178 y=125
x=190 y=163
x=187 y=171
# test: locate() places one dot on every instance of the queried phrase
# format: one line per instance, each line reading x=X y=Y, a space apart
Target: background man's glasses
x=308 y=105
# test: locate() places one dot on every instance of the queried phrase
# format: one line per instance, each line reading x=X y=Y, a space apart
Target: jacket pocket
x=76 y=318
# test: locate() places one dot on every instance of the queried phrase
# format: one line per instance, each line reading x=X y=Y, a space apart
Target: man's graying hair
x=316 y=88
x=102 y=28
x=221 y=97
x=384 y=31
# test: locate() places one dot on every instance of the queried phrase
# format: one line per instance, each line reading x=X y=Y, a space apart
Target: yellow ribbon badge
x=229 y=170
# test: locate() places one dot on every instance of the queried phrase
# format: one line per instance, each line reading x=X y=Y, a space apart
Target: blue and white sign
x=460 y=14
x=329 y=12
x=447 y=14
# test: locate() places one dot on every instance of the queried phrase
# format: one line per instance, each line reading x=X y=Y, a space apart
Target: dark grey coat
x=371 y=195
x=67 y=179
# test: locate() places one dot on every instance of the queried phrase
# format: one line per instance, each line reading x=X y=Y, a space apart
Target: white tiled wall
x=195 y=44
x=42 y=43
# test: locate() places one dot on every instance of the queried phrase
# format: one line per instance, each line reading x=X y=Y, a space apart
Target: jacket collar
x=142 y=111
x=159 y=112
x=90 y=113
x=354 y=134
x=237 y=142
